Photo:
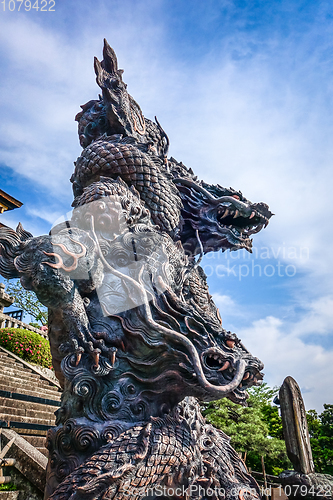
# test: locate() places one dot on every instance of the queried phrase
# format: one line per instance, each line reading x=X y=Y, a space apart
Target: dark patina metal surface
x=132 y=326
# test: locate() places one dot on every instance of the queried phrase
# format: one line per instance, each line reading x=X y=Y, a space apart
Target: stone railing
x=9 y=322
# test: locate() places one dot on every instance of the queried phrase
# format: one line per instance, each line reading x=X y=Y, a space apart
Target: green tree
x=255 y=430
x=27 y=300
x=321 y=437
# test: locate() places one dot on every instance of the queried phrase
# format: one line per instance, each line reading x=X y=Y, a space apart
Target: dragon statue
x=135 y=336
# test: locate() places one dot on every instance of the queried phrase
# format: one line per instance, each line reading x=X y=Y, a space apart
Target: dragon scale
x=112 y=158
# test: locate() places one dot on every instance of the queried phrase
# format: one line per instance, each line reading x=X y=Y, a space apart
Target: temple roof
x=7 y=202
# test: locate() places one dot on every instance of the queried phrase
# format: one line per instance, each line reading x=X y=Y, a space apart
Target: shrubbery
x=27 y=345
x=8 y=487
x=321 y=437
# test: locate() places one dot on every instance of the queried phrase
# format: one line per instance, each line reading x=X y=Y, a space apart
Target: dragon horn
x=110 y=63
x=196 y=187
x=99 y=72
x=237 y=203
x=163 y=133
x=23 y=234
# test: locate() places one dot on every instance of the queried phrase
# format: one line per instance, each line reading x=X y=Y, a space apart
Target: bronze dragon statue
x=134 y=334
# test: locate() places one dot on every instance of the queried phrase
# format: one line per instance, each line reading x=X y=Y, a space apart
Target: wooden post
x=4 y=461
x=264 y=474
x=5 y=479
x=1 y=471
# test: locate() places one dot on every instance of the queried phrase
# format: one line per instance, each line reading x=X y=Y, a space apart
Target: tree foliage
x=255 y=430
x=321 y=437
x=27 y=300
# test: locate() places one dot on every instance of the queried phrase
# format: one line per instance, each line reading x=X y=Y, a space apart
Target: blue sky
x=244 y=90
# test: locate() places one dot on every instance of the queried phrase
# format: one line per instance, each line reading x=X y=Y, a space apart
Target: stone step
x=20 y=376
x=14 y=362
x=31 y=432
x=35 y=386
x=36 y=441
x=27 y=420
x=17 y=403
x=8 y=361
x=13 y=411
x=9 y=495
x=37 y=392
x=27 y=412
x=13 y=371
x=19 y=381
x=18 y=364
x=17 y=378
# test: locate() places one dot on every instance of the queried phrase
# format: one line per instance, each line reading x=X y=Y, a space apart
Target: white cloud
x=292 y=346
x=227 y=306
x=284 y=354
x=46 y=78
x=318 y=320
x=48 y=216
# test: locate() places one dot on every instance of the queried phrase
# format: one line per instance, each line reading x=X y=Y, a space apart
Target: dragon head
x=222 y=218
x=116 y=113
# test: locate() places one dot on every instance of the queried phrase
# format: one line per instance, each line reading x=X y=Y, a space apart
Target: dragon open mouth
x=226 y=367
x=243 y=222
x=214 y=361
x=239 y=220
x=242 y=225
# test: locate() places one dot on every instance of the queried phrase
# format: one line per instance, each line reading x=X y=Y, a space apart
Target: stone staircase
x=28 y=399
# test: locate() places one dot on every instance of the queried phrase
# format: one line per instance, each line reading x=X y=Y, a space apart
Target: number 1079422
x=27 y=5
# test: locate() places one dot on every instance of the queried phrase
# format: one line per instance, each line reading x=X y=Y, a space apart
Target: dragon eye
x=115 y=84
